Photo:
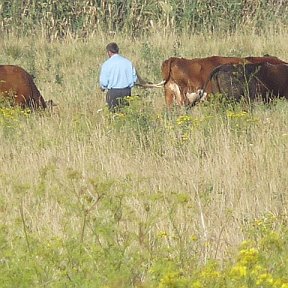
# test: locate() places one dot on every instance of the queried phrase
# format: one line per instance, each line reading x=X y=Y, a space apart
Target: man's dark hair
x=112 y=47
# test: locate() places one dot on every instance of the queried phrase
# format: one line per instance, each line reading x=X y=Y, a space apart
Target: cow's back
x=16 y=82
x=265 y=59
x=194 y=72
x=209 y=64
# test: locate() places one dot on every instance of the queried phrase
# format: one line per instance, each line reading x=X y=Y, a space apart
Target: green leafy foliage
x=139 y=17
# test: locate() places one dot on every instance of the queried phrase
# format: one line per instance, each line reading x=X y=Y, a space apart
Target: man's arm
x=134 y=75
x=103 y=79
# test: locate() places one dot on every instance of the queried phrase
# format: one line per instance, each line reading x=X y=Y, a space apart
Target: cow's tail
x=203 y=92
x=151 y=85
x=142 y=83
x=166 y=68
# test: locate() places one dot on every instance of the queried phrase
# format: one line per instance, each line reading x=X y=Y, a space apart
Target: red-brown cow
x=18 y=85
x=183 y=78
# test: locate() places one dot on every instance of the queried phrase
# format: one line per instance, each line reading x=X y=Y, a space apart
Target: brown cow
x=262 y=81
x=18 y=84
x=183 y=78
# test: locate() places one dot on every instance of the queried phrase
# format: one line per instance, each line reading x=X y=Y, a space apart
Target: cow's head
x=195 y=97
x=50 y=104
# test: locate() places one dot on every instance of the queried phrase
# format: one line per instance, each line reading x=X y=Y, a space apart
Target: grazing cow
x=262 y=81
x=183 y=78
x=18 y=85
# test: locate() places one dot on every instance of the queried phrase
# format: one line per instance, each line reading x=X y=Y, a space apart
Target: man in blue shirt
x=117 y=75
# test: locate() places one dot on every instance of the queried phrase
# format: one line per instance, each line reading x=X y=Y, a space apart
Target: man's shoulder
x=106 y=62
x=124 y=59
x=116 y=59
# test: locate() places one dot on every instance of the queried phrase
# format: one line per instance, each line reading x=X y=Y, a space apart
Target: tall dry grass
x=137 y=187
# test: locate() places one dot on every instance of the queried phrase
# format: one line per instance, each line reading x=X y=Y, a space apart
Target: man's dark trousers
x=114 y=97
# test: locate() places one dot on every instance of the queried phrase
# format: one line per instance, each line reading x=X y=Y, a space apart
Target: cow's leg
x=169 y=95
x=172 y=92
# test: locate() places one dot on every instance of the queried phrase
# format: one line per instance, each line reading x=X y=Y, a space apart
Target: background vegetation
x=140 y=198
x=56 y=19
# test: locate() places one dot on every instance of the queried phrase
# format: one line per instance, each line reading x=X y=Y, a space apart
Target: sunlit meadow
x=143 y=197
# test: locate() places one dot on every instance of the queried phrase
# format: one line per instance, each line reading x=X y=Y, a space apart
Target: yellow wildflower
x=169 y=279
x=238 y=271
x=265 y=278
x=257 y=270
x=184 y=120
x=194 y=238
x=185 y=137
x=162 y=234
x=231 y=114
x=196 y=284
x=249 y=256
x=210 y=274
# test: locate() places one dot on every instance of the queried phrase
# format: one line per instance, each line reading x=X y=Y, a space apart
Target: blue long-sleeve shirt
x=117 y=72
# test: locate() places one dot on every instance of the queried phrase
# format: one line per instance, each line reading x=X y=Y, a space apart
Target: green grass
x=141 y=198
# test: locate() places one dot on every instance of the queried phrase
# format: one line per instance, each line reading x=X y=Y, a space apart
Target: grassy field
x=142 y=198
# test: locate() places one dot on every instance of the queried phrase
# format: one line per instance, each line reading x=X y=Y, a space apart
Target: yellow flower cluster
x=265 y=278
x=133 y=98
x=258 y=274
x=238 y=271
x=184 y=120
x=248 y=267
x=169 y=280
x=248 y=256
x=119 y=115
x=231 y=114
x=196 y=284
x=162 y=234
x=251 y=269
x=242 y=115
x=185 y=136
x=12 y=114
x=210 y=274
